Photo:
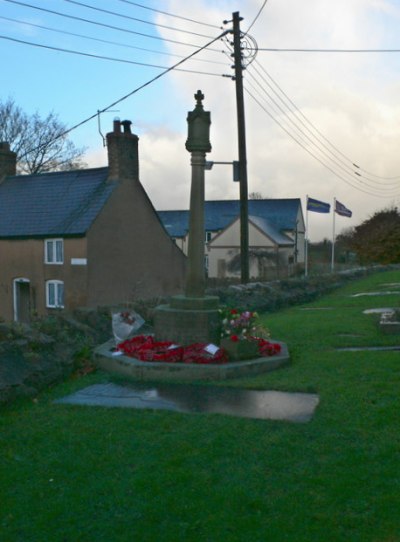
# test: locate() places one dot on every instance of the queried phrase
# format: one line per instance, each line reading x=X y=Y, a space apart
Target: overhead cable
x=101 y=10
x=257 y=16
x=313 y=135
x=119 y=44
x=303 y=146
x=104 y=25
x=169 y=14
x=349 y=163
x=280 y=50
x=70 y=51
x=137 y=89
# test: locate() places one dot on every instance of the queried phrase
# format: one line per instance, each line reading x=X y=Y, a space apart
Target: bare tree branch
x=37 y=141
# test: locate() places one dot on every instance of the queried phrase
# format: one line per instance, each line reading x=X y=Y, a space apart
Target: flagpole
x=306 y=242
x=333 y=237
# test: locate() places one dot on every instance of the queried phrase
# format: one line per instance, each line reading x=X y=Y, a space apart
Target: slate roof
x=266 y=227
x=58 y=203
x=280 y=213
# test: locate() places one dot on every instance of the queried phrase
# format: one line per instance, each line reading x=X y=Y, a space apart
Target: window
x=208 y=236
x=54 y=251
x=55 y=294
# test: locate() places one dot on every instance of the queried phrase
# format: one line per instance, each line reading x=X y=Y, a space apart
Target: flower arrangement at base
x=243 y=337
x=241 y=326
x=267 y=348
x=145 y=348
x=200 y=353
x=234 y=346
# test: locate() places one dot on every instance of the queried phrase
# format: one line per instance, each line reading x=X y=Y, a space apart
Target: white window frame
x=57 y=284
x=56 y=258
x=208 y=236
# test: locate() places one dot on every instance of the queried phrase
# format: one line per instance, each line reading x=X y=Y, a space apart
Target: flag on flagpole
x=317 y=206
x=341 y=210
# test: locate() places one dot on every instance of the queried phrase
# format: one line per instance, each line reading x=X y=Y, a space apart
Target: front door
x=22 y=300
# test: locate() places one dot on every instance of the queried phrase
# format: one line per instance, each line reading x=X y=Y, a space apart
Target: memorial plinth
x=188 y=320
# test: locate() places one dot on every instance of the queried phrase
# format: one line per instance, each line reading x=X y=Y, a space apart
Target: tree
x=344 y=252
x=40 y=143
x=377 y=240
x=256 y=195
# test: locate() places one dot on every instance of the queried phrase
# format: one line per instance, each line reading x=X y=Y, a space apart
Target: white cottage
x=276 y=236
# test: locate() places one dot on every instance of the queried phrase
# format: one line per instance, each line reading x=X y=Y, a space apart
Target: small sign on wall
x=78 y=261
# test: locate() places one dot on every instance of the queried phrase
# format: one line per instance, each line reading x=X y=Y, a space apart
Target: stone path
x=273 y=405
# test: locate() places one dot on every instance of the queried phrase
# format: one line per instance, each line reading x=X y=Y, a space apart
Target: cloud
x=351 y=101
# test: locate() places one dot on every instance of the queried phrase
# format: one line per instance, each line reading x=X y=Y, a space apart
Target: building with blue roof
x=82 y=238
x=276 y=236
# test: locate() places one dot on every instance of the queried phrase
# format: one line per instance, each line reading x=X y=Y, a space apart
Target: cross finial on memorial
x=199 y=97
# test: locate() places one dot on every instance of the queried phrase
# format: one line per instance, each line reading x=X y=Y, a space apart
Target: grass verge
x=85 y=474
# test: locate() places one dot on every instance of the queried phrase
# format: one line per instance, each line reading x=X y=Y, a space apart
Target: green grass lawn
x=89 y=474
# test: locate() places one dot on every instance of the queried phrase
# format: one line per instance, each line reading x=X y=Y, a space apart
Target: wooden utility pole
x=244 y=206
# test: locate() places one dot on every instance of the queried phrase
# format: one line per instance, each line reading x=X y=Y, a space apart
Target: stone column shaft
x=195 y=282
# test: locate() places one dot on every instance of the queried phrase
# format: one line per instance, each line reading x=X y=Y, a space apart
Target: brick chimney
x=8 y=160
x=123 y=154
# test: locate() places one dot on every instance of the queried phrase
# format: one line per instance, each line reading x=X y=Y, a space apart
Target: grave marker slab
x=272 y=405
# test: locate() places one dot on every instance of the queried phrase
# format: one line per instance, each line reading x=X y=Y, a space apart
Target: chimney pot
x=127 y=126
x=8 y=160
x=117 y=126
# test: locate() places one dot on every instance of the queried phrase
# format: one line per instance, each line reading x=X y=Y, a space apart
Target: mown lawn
x=88 y=474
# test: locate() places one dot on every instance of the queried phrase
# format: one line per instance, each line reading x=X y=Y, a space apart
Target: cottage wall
x=24 y=259
x=130 y=253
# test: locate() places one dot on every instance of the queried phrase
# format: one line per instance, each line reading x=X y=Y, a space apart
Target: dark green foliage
x=377 y=240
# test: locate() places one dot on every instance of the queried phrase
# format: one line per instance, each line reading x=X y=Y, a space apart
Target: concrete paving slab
x=272 y=405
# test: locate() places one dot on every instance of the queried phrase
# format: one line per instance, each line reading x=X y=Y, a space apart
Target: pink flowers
x=239 y=326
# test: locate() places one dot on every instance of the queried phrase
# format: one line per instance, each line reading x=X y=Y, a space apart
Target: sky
x=310 y=114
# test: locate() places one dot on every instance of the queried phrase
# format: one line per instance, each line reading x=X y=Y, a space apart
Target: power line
x=304 y=138
x=298 y=113
x=169 y=14
x=90 y=55
x=134 y=18
x=257 y=16
x=279 y=50
x=137 y=89
x=105 y=41
x=303 y=146
x=104 y=25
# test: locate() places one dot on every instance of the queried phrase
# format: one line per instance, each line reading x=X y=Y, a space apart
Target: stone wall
x=48 y=351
